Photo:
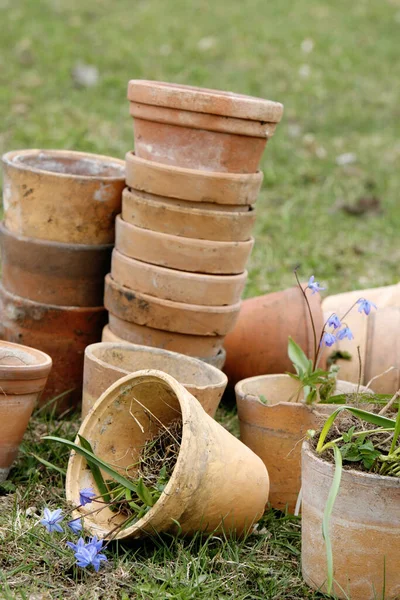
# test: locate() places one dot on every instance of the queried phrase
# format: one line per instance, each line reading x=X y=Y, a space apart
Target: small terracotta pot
x=179 y=286
x=258 y=344
x=198 y=128
x=184 y=254
x=177 y=217
x=143 y=309
x=274 y=431
x=364 y=531
x=191 y=184
x=52 y=272
x=192 y=345
x=23 y=375
x=106 y=363
x=63 y=196
x=60 y=331
x=209 y=487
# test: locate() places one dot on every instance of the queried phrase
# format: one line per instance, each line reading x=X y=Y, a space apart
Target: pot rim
x=10 y=297
x=25 y=372
x=220 y=378
x=204 y=100
x=11 y=159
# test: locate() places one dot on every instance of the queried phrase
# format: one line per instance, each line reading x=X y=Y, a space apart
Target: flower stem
x=316 y=349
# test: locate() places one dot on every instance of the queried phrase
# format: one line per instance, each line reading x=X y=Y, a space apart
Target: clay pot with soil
x=178 y=286
x=179 y=317
x=106 y=363
x=62 y=332
x=273 y=423
x=181 y=253
x=23 y=375
x=216 y=484
x=364 y=530
x=62 y=196
x=53 y=272
x=232 y=189
x=198 y=128
x=258 y=344
x=220 y=223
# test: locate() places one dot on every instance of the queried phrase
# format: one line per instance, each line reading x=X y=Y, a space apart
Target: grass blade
x=333 y=492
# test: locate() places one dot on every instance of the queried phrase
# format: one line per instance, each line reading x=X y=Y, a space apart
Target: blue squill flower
x=365 y=306
x=314 y=285
x=52 y=519
x=334 y=321
x=328 y=339
x=345 y=333
x=86 y=496
x=75 y=525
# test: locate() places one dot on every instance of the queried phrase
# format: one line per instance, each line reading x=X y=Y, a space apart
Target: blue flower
x=52 y=520
x=88 y=555
x=79 y=544
x=86 y=496
x=75 y=525
x=344 y=333
x=314 y=285
x=365 y=306
x=334 y=321
x=328 y=339
x=98 y=544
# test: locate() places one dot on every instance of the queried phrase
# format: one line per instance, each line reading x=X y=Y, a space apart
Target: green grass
x=341 y=97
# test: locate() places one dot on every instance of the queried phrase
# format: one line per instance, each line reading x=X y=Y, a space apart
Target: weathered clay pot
x=53 y=272
x=62 y=332
x=198 y=346
x=179 y=286
x=63 y=196
x=184 y=254
x=106 y=363
x=216 y=222
x=376 y=334
x=364 y=531
x=143 y=309
x=23 y=375
x=274 y=431
x=191 y=184
x=258 y=344
x=209 y=487
x=198 y=128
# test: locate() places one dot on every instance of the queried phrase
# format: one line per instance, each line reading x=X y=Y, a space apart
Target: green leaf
x=89 y=456
x=333 y=492
x=97 y=476
x=48 y=464
x=300 y=361
x=144 y=493
x=396 y=433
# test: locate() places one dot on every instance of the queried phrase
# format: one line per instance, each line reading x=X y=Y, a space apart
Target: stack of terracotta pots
x=56 y=243
x=184 y=236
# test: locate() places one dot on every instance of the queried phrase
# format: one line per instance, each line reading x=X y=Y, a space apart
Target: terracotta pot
x=275 y=431
x=204 y=347
x=52 y=272
x=191 y=184
x=60 y=331
x=259 y=341
x=184 y=254
x=63 y=196
x=364 y=531
x=199 y=128
x=23 y=375
x=177 y=217
x=209 y=487
x=179 y=317
x=376 y=334
x=179 y=286
x=106 y=363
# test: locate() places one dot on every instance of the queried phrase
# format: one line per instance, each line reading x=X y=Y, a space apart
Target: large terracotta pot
x=198 y=128
x=23 y=375
x=54 y=272
x=179 y=286
x=218 y=222
x=62 y=332
x=364 y=531
x=184 y=254
x=259 y=341
x=179 y=317
x=63 y=196
x=218 y=484
x=165 y=338
x=106 y=363
x=191 y=184
x=274 y=431
x=376 y=334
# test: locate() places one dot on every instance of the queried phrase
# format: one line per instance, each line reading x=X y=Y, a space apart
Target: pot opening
x=71 y=165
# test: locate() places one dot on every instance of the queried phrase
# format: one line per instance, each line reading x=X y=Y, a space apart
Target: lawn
x=329 y=203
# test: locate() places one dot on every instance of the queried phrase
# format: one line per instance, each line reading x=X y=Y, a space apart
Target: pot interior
x=273 y=388
x=16 y=358
x=68 y=164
